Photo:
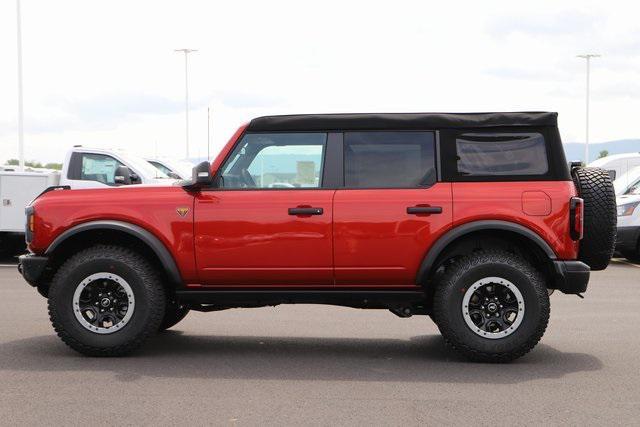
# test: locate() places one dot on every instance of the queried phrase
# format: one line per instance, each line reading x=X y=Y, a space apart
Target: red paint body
x=365 y=238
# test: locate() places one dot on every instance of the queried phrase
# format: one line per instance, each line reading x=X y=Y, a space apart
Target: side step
x=383 y=299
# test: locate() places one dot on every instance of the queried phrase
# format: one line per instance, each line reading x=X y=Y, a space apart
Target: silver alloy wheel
x=493 y=307
x=103 y=303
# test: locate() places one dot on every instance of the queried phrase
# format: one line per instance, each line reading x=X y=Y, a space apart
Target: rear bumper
x=571 y=277
x=627 y=238
x=32 y=267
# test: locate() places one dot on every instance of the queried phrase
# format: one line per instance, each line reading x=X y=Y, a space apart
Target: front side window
x=501 y=154
x=276 y=160
x=389 y=159
x=99 y=167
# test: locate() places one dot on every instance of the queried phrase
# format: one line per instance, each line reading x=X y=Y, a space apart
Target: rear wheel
x=106 y=301
x=491 y=306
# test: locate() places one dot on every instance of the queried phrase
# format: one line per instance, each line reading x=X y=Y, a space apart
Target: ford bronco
x=471 y=219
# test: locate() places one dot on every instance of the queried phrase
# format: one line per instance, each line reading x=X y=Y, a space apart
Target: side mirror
x=612 y=174
x=122 y=176
x=202 y=175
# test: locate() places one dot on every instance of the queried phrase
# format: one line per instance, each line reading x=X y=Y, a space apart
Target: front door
x=391 y=210
x=269 y=221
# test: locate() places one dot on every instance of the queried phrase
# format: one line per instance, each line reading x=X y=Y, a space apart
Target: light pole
x=186 y=93
x=208 y=133
x=20 y=107
x=588 y=57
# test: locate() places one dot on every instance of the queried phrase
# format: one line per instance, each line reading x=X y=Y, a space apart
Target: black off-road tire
x=448 y=303
x=600 y=218
x=173 y=314
x=141 y=277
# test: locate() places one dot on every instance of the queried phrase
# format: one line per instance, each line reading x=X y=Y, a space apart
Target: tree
x=29 y=163
x=603 y=153
x=56 y=166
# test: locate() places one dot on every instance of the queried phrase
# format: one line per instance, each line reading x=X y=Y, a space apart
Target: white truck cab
x=95 y=167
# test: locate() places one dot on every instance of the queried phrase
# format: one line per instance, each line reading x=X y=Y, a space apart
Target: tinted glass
x=98 y=167
x=490 y=154
x=389 y=159
x=276 y=160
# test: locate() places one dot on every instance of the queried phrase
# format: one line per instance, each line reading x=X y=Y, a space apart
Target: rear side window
x=389 y=159
x=501 y=154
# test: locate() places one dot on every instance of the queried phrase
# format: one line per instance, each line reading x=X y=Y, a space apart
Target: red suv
x=472 y=219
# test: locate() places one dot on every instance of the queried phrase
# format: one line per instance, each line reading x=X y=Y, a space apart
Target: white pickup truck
x=82 y=168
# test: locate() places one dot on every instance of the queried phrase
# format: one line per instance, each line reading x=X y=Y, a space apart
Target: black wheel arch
x=135 y=233
x=501 y=230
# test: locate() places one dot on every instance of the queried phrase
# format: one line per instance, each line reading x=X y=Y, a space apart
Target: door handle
x=306 y=211
x=424 y=210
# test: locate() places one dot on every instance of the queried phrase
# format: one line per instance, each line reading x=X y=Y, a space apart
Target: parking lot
x=326 y=366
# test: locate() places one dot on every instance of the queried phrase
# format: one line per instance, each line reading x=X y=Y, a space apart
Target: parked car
x=82 y=168
x=628 y=238
x=617 y=164
x=472 y=219
x=627 y=182
x=86 y=167
x=177 y=169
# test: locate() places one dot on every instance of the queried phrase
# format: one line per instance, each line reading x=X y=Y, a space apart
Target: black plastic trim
x=571 y=277
x=437 y=248
x=332 y=174
x=349 y=298
x=31 y=267
x=149 y=239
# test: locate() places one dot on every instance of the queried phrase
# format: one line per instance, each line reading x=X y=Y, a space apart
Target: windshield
x=627 y=180
x=183 y=168
x=634 y=190
x=144 y=167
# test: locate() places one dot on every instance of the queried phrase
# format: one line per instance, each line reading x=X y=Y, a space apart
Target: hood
x=627 y=198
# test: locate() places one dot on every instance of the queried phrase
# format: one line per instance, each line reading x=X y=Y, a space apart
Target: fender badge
x=182 y=211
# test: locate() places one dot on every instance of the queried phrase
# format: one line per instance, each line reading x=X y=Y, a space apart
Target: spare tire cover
x=600 y=218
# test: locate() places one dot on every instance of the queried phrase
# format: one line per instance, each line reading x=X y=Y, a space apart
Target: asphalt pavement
x=320 y=365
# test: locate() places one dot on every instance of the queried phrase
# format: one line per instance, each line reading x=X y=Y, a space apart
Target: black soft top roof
x=400 y=121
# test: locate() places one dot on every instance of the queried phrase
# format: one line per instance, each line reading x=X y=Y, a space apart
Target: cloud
x=235 y=99
x=522 y=73
x=107 y=108
x=548 y=24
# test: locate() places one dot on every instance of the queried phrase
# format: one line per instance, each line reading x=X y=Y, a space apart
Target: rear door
x=269 y=222
x=391 y=209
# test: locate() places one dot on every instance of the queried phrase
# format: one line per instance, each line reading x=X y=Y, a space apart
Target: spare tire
x=600 y=218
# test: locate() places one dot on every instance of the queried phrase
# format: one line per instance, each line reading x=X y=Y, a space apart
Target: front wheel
x=491 y=306
x=106 y=301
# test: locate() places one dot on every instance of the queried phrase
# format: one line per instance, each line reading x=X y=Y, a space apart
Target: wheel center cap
x=492 y=307
x=105 y=302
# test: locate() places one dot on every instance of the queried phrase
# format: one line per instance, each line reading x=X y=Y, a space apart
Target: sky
x=105 y=74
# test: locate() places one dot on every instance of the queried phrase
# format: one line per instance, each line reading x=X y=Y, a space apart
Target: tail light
x=576 y=222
